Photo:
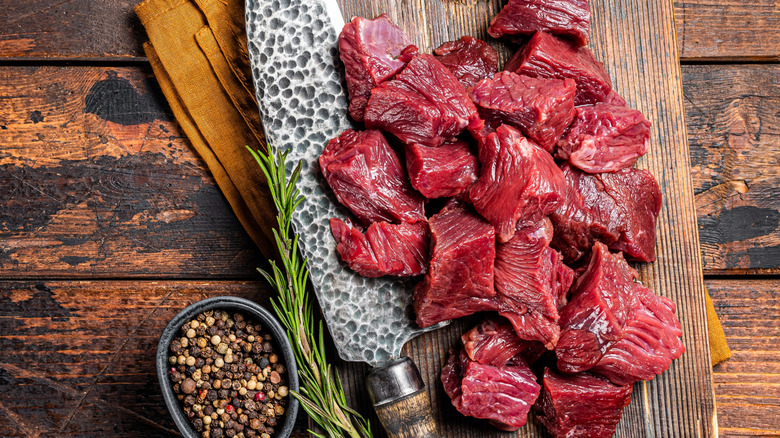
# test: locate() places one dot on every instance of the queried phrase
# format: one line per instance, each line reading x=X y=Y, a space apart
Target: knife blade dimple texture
x=303 y=104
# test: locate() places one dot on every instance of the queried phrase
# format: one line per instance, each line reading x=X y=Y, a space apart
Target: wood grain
x=728 y=30
x=98 y=181
x=625 y=35
x=410 y=417
x=747 y=386
x=733 y=115
x=78 y=357
x=109 y=29
x=75 y=29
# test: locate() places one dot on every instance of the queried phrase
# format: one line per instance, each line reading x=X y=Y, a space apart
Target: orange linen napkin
x=198 y=52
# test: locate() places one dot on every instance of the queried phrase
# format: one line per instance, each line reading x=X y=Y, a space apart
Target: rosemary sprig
x=321 y=393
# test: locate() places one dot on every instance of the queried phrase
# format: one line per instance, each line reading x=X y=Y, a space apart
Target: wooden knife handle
x=401 y=401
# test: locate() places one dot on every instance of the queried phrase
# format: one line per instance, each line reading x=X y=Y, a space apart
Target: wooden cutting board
x=637 y=42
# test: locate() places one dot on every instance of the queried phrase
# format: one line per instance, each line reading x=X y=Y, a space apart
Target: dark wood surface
x=90 y=198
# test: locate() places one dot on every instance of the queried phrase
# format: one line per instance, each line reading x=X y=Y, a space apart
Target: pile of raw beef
x=512 y=192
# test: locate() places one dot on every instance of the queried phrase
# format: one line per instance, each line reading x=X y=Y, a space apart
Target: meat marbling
x=569 y=18
x=605 y=138
x=618 y=209
x=541 y=108
x=531 y=283
x=372 y=51
x=582 y=405
x=366 y=176
x=518 y=181
x=547 y=56
x=424 y=104
x=459 y=281
x=504 y=395
x=385 y=249
x=469 y=59
x=441 y=171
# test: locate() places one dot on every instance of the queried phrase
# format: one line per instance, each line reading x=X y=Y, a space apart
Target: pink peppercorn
x=260 y=396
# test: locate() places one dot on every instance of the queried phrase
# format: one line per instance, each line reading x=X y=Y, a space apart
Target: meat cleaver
x=303 y=104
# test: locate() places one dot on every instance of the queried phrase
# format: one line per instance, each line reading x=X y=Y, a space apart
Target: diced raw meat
x=424 y=104
x=385 y=249
x=618 y=209
x=547 y=56
x=441 y=171
x=581 y=405
x=651 y=340
x=593 y=320
x=531 y=283
x=503 y=395
x=469 y=59
x=605 y=138
x=613 y=98
x=459 y=281
x=519 y=181
x=542 y=108
x=563 y=17
x=494 y=342
x=367 y=177
x=370 y=51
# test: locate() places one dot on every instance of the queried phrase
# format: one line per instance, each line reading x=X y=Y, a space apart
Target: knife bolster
x=401 y=401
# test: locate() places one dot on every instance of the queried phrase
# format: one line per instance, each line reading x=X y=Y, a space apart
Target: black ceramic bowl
x=249 y=309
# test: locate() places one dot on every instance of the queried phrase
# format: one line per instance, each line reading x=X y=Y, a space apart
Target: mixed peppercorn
x=228 y=377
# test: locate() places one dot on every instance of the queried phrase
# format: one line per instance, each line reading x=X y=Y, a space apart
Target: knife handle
x=401 y=401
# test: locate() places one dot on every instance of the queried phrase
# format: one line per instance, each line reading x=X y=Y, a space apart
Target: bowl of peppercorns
x=226 y=369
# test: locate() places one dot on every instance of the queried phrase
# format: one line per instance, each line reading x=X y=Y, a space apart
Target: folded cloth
x=198 y=52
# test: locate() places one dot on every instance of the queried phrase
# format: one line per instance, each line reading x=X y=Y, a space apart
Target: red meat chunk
x=371 y=51
x=424 y=104
x=531 y=283
x=618 y=209
x=504 y=395
x=583 y=405
x=651 y=340
x=542 y=108
x=569 y=18
x=519 y=181
x=459 y=281
x=441 y=171
x=385 y=249
x=367 y=177
x=593 y=321
x=547 y=56
x=469 y=59
x=605 y=138
x=494 y=342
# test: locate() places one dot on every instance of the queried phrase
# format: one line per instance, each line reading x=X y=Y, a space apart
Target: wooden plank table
x=109 y=222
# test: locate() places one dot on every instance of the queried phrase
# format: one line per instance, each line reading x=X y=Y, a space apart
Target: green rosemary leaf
x=321 y=393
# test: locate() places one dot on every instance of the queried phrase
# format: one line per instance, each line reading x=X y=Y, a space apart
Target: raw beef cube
x=367 y=177
x=618 y=209
x=385 y=249
x=562 y=17
x=494 y=342
x=531 y=283
x=441 y=171
x=519 y=181
x=459 y=281
x=605 y=138
x=613 y=98
x=547 y=56
x=542 y=108
x=581 y=405
x=593 y=320
x=371 y=51
x=504 y=395
x=424 y=104
x=469 y=59
x=651 y=340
